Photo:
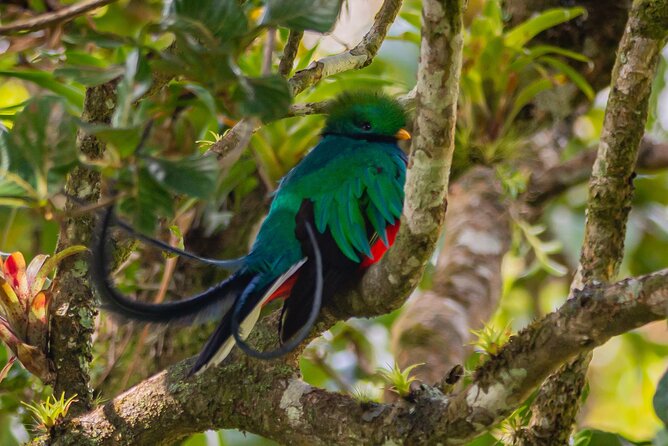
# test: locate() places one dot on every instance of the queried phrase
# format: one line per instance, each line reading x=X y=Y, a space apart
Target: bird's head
x=367 y=115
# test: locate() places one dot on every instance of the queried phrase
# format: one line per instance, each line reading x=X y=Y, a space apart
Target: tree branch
x=610 y=193
x=72 y=308
x=51 y=18
x=290 y=52
x=358 y=57
x=266 y=398
x=545 y=186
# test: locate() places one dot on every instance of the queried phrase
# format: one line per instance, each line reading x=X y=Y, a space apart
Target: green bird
x=333 y=215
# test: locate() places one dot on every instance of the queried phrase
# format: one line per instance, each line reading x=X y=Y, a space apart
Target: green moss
x=653 y=18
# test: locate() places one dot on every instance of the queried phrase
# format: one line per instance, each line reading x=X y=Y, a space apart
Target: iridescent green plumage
x=349 y=188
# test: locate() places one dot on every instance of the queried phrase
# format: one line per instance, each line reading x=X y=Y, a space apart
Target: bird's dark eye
x=366 y=126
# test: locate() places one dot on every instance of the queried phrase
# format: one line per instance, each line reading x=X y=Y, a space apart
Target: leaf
x=200 y=57
x=573 y=75
x=522 y=33
x=224 y=18
x=152 y=199
x=123 y=139
x=267 y=97
x=37 y=281
x=135 y=83
x=42 y=139
x=660 y=400
x=526 y=95
x=89 y=76
x=595 y=437
x=6 y=368
x=302 y=15
x=191 y=176
x=74 y=95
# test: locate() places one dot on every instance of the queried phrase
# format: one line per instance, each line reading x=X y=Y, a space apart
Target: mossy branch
x=610 y=193
x=269 y=399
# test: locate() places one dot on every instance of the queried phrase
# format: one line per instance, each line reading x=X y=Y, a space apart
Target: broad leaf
x=522 y=33
x=74 y=95
x=302 y=15
x=224 y=18
x=661 y=399
x=89 y=75
x=595 y=437
x=152 y=200
x=134 y=84
x=267 y=97
x=41 y=143
x=191 y=176
x=123 y=140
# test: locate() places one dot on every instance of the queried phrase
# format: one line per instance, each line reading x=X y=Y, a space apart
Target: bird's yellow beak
x=402 y=135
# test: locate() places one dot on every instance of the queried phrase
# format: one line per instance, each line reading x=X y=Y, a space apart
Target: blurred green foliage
x=212 y=53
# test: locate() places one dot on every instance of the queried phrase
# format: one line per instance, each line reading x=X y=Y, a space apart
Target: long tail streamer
x=303 y=332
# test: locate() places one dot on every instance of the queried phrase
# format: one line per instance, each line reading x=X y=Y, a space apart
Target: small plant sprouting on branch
x=490 y=339
x=48 y=412
x=400 y=380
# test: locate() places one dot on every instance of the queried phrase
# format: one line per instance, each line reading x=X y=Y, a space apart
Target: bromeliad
x=333 y=215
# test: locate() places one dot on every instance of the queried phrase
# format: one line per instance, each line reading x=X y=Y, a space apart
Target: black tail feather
x=222 y=294
x=241 y=310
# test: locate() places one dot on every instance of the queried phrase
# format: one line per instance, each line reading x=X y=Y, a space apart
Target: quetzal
x=333 y=215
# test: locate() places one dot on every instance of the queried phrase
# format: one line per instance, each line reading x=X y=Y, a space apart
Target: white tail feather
x=249 y=321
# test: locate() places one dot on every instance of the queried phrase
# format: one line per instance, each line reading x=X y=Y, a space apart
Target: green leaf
x=134 y=84
x=152 y=200
x=660 y=400
x=573 y=75
x=302 y=15
x=123 y=140
x=224 y=18
x=595 y=437
x=191 y=176
x=200 y=57
x=522 y=33
x=42 y=140
x=525 y=95
x=267 y=97
x=74 y=95
x=89 y=75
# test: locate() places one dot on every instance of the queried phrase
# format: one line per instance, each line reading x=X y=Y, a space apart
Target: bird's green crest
x=361 y=112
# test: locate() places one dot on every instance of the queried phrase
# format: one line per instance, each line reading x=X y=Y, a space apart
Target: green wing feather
x=363 y=183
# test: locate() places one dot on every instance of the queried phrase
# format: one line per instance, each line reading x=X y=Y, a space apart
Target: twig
x=290 y=52
x=234 y=141
x=358 y=57
x=51 y=18
x=268 y=51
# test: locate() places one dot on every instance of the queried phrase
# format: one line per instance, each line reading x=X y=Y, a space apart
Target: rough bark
x=435 y=326
x=72 y=308
x=290 y=52
x=267 y=398
x=610 y=193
